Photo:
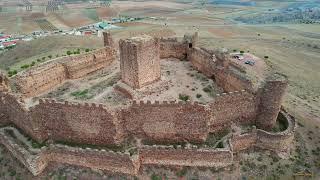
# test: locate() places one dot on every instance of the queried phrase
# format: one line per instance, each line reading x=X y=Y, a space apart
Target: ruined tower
x=139 y=61
x=107 y=39
x=271 y=96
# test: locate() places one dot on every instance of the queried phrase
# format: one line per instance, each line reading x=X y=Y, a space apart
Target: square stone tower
x=139 y=61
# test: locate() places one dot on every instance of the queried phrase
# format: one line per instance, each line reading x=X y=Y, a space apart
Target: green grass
x=81 y=94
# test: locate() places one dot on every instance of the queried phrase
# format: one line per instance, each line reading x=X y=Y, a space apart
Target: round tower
x=271 y=96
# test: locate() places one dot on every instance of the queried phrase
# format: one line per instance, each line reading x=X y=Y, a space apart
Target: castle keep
x=242 y=102
x=139 y=61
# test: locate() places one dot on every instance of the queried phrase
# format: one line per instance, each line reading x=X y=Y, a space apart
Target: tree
x=69 y=53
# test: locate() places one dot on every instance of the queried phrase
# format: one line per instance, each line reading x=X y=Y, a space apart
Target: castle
x=255 y=104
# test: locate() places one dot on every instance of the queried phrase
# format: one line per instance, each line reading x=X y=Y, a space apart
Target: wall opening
x=190 y=45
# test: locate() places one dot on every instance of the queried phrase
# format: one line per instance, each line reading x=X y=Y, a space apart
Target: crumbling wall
x=234 y=107
x=166 y=121
x=82 y=65
x=202 y=60
x=76 y=123
x=40 y=79
x=243 y=141
x=185 y=157
x=172 y=48
x=51 y=74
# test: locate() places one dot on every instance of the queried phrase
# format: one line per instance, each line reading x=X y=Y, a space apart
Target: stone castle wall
x=78 y=123
x=172 y=48
x=235 y=107
x=202 y=60
x=82 y=65
x=117 y=162
x=166 y=121
x=186 y=157
x=40 y=79
x=53 y=73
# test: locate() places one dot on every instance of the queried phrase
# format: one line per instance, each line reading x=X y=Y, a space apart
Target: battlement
x=164 y=103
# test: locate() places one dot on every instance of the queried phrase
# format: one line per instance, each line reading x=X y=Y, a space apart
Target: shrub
x=50 y=56
x=87 y=50
x=234 y=50
x=43 y=58
x=155 y=177
x=11 y=73
x=33 y=63
x=184 y=97
x=57 y=55
x=266 y=57
x=198 y=95
x=25 y=66
x=220 y=145
x=38 y=60
x=241 y=52
x=182 y=172
x=69 y=53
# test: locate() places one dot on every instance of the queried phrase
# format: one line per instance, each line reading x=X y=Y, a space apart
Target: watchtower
x=139 y=61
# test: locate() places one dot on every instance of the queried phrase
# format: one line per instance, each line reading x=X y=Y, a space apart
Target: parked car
x=251 y=63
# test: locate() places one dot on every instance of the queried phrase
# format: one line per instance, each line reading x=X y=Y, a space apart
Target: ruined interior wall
x=234 y=107
x=230 y=80
x=49 y=75
x=186 y=157
x=172 y=48
x=81 y=124
x=202 y=60
x=166 y=121
x=82 y=65
x=40 y=79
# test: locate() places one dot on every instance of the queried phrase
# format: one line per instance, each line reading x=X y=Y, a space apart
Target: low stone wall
x=277 y=142
x=172 y=48
x=95 y=159
x=186 y=157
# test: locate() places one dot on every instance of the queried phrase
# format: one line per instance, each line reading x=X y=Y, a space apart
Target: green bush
x=69 y=53
x=38 y=60
x=241 y=52
x=266 y=57
x=182 y=172
x=198 y=95
x=155 y=177
x=12 y=73
x=87 y=50
x=25 y=66
x=33 y=63
x=184 y=97
x=43 y=58
x=50 y=56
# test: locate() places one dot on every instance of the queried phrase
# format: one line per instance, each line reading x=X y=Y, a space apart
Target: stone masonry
x=139 y=61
